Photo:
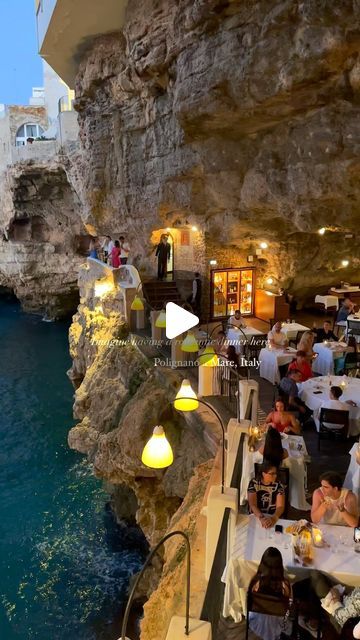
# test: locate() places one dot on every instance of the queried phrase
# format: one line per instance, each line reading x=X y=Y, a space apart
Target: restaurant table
x=327 y=301
x=291 y=329
x=340 y=293
x=339 y=560
x=327 y=353
x=271 y=359
x=352 y=478
x=295 y=462
x=238 y=337
x=323 y=384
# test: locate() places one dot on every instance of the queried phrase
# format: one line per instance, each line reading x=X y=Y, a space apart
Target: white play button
x=178 y=320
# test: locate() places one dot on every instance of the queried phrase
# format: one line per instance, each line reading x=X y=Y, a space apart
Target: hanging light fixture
x=344 y=263
x=157 y=453
x=264 y=245
x=208 y=357
x=188 y=401
x=161 y=320
x=270 y=281
x=137 y=304
x=190 y=344
x=322 y=231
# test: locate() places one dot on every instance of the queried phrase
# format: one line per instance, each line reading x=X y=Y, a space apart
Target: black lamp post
x=140 y=575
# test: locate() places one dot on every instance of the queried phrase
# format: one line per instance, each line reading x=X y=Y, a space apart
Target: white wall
x=54 y=90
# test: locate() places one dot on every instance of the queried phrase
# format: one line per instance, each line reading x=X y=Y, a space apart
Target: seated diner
x=281 y=420
x=277 y=337
x=266 y=496
x=237 y=320
x=325 y=333
x=306 y=344
x=332 y=503
x=301 y=364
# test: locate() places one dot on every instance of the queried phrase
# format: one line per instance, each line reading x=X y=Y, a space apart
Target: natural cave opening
x=29 y=229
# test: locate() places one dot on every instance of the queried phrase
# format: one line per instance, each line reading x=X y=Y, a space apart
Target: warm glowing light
x=264 y=245
x=157 y=452
x=190 y=344
x=213 y=262
x=194 y=228
x=345 y=263
x=98 y=309
x=161 y=320
x=137 y=304
x=189 y=401
x=102 y=288
x=317 y=535
x=168 y=229
x=321 y=231
x=270 y=281
x=208 y=357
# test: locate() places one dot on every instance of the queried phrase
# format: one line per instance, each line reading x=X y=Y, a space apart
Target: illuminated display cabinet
x=232 y=289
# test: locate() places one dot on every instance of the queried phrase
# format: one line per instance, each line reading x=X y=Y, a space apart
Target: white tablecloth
x=315 y=400
x=339 y=560
x=324 y=363
x=271 y=360
x=347 y=290
x=327 y=301
x=291 y=329
x=295 y=463
x=352 y=479
x=237 y=338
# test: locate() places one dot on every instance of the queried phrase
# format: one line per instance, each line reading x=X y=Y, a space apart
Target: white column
x=156 y=332
x=140 y=319
x=206 y=380
x=216 y=505
x=176 y=354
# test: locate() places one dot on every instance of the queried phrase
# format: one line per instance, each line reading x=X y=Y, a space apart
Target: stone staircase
x=158 y=292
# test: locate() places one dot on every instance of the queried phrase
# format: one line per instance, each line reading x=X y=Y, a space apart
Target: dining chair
x=295 y=341
x=336 y=417
x=265 y=604
x=352 y=365
x=353 y=327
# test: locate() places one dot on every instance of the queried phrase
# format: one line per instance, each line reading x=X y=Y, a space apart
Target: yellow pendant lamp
x=186 y=398
x=137 y=304
x=190 y=344
x=208 y=357
x=160 y=321
x=157 y=453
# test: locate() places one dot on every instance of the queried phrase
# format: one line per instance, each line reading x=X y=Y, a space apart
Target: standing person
x=195 y=298
x=163 y=254
x=93 y=248
x=111 y=245
x=124 y=250
x=105 y=247
x=115 y=255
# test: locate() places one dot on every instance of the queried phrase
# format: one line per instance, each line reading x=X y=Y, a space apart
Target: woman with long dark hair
x=272 y=449
x=270 y=580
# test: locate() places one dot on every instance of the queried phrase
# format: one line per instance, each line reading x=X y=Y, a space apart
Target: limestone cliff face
x=241 y=117
x=119 y=399
x=40 y=230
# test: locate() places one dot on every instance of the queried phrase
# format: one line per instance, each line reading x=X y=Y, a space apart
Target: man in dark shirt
x=325 y=333
x=289 y=391
x=163 y=254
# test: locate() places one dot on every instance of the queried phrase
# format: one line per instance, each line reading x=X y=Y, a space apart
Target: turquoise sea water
x=64 y=563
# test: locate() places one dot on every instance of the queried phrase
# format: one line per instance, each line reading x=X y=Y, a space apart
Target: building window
x=28 y=131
